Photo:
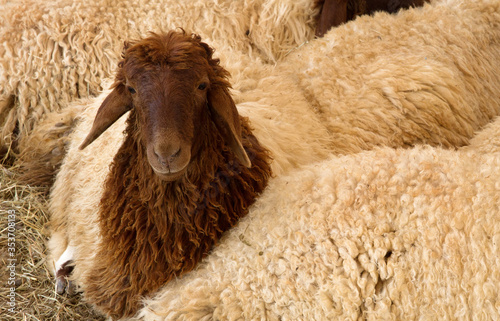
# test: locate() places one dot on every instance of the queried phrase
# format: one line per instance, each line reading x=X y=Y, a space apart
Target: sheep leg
x=63 y=268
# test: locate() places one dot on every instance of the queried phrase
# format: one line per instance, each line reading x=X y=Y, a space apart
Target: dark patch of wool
x=154 y=230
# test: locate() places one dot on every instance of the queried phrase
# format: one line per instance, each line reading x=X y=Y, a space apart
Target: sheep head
x=172 y=82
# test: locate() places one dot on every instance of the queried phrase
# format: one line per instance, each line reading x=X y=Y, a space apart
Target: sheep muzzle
x=168 y=157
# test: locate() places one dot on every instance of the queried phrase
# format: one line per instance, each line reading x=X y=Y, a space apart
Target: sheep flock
x=348 y=177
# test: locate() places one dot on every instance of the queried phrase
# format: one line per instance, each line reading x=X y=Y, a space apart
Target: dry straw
x=31 y=285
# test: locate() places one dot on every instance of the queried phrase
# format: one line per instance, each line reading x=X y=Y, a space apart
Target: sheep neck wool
x=153 y=230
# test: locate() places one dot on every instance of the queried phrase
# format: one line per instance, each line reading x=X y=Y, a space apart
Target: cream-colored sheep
x=53 y=52
x=387 y=80
x=427 y=75
x=388 y=234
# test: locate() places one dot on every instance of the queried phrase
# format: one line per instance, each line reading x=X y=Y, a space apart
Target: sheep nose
x=167 y=155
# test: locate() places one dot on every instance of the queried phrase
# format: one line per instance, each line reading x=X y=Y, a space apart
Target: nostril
x=167 y=156
x=162 y=160
x=176 y=154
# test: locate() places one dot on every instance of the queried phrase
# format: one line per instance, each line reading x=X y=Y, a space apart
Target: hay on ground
x=30 y=287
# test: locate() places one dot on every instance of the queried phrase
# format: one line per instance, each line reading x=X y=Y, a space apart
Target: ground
x=30 y=292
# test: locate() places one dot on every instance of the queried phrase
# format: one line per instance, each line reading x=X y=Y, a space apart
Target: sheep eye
x=202 y=86
x=131 y=90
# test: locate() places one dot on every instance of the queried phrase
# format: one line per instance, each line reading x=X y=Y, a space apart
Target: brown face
x=173 y=83
x=169 y=104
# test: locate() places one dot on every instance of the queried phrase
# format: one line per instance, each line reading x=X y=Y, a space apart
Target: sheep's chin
x=168 y=176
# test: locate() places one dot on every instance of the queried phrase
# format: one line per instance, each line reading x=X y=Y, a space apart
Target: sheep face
x=173 y=84
x=169 y=104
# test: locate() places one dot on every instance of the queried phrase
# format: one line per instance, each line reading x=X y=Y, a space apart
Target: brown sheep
x=187 y=169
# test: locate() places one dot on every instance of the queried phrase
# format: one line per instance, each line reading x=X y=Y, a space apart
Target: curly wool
x=151 y=231
x=423 y=76
x=291 y=149
x=394 y=79
x=389 y=234
x=386 y=80
x=384 y=234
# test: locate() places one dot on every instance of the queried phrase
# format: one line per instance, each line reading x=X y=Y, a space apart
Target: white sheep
x=298 y=119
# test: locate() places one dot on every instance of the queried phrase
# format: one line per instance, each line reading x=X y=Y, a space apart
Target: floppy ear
x=227 y=120
x=117 y=103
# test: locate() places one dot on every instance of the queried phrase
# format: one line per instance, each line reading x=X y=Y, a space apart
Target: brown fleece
x=153 y=230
